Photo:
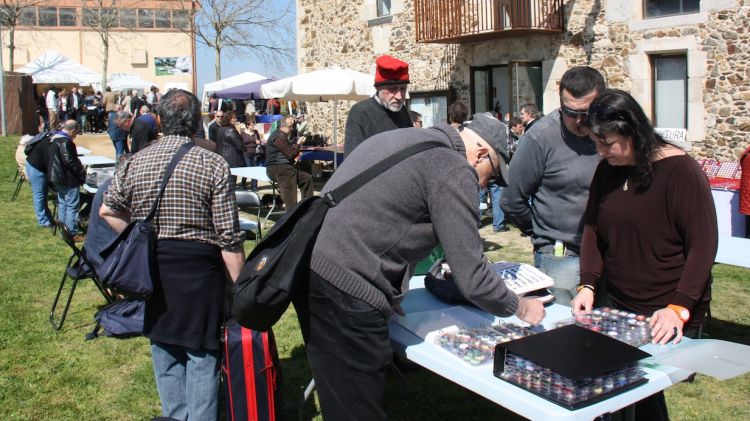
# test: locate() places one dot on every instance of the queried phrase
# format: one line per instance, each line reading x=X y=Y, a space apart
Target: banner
x=168 y=66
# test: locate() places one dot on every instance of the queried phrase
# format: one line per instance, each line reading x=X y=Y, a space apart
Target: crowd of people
x=616 y=216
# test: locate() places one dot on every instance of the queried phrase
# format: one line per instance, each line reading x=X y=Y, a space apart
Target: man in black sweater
x=384 y=111
x=141 y=132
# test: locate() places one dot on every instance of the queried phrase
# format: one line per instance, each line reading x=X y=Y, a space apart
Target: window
x=127 y=18
x=670 y=91
x=109 y=18
x=506 y=88
x=163 y=19
x=180 y=19
x=384 y=7
x=91 y=17
x=48 y=16
x=145 y=18
x=68 y=16
x=28 y=16
x=432 y=105
x=656 y=8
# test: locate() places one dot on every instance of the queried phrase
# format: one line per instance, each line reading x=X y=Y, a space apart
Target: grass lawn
x=45 y=375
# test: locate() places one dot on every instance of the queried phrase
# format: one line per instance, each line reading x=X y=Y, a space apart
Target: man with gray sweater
x=370 y=244
x=550 y=178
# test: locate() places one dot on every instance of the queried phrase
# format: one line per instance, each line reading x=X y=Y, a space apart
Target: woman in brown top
x=650 y=228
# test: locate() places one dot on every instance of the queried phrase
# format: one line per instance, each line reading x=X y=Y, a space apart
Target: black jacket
x=64 y=166
x=141 y=135
x=229 y=145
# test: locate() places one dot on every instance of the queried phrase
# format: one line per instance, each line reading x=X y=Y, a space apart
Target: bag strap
x=335 y=196
x=167 y=174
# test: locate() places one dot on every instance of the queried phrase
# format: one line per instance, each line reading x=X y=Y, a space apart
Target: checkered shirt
x=198 y=203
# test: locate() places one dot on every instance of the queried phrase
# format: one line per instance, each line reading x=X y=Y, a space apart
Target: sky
x=231 y=66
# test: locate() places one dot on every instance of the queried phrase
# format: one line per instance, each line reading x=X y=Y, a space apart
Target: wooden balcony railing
x=456 y=21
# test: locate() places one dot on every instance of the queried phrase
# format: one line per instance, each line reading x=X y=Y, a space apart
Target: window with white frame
x=670 y=91
x=657 y=8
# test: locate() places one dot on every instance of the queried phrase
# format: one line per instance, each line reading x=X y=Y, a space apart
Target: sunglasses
x=608 y=114
x=573 y=113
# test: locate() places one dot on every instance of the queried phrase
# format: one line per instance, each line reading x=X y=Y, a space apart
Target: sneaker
x=78 y=238
x=501 y=229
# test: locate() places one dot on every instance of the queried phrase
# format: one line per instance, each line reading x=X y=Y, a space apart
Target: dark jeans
x=349 y=351
x=289 y=178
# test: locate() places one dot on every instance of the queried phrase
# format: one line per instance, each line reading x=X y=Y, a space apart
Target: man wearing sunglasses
x=550 y=178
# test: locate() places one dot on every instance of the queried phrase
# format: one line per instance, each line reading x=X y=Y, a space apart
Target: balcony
x=459 y=21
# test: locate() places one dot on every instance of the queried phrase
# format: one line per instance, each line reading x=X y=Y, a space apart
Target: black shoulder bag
x=281 y=261
x=129 y=265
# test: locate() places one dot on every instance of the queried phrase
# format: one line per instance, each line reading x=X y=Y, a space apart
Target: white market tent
x=52 y=67
x=230 y=82
x=331 y=84
x=125 y=81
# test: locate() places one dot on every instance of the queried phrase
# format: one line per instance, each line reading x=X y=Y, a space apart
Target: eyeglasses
x=573 y=113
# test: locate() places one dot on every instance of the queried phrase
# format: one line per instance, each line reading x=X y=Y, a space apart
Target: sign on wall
x=168 y=66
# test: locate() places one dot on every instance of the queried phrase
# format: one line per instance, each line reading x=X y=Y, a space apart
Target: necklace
x=625 y=186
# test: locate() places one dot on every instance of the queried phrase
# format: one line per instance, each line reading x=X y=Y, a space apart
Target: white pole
x=335 y=136
x=2 y=87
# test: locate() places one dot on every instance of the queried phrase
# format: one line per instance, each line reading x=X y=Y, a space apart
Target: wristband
x=580 y=287
x=682 y=312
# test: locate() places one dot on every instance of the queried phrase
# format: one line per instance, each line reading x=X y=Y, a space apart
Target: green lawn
x=46 y=375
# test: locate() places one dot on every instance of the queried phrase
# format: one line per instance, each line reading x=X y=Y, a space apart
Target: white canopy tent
x=52 y=67
x=230 y=82
x=324 y=85
x=125 y=81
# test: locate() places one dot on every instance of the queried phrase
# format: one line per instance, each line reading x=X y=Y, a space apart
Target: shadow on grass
x=729 y=331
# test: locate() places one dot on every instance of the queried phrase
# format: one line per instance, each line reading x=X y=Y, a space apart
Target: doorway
x=505 y=88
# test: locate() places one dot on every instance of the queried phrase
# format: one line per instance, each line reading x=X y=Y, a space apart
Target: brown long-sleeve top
x=655 y=247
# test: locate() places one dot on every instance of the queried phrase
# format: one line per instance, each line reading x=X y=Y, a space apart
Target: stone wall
x=345 y=34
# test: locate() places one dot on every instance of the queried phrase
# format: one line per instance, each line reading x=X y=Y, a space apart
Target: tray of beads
x=476 y=346
x=566 y=392
x=631 y=328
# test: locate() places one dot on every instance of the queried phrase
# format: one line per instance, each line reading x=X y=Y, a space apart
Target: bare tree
x=103 y=16
x=12 y=14
x=244 y=28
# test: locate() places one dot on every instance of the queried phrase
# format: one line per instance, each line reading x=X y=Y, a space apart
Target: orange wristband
x=682 y=312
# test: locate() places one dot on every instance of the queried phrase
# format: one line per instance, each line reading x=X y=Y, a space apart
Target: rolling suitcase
x=251 y=374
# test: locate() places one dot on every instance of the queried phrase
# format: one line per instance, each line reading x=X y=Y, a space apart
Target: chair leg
x=59 y=325
x=18 y=189
x=101 y=289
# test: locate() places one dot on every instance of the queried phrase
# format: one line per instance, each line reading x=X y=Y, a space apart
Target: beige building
x=146 y=38
x=686 y=61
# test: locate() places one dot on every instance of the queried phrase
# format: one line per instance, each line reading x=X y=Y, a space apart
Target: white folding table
x=90 y=160
x=259 y=174
x=420 y=302
x=82 y=151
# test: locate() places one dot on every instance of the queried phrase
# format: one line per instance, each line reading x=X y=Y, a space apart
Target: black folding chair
x=21 y=178
x=248 y=200
x=78 y=269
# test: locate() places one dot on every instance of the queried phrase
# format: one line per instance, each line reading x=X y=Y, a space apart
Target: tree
x=12 y=14
x=102 y=16
x=245 y=28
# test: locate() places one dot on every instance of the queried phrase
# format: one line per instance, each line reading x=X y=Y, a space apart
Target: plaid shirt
x=198 y=203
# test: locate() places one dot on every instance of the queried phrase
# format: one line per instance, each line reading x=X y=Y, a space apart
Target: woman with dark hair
x=229 y=141
x=650 y=233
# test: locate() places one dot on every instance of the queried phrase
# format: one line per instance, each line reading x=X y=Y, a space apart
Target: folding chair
x=21 y=178
x=78 y=268
x=247 y=199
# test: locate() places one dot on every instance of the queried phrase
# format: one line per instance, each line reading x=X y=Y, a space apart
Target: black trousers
x=289 y=178
x=349 y=350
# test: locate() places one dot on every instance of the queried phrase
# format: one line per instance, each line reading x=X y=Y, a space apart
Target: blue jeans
x=117 y=135
x=187 y=380
x=68 y=201
x=498 y=216
x=566 y=272
x=38 y=182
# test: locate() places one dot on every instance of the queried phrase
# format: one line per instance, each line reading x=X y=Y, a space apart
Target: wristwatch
x=682 y=312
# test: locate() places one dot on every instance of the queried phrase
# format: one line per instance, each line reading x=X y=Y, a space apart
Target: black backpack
x=43 y=136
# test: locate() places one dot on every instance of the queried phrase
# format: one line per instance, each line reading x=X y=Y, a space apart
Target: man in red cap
x=384 y=111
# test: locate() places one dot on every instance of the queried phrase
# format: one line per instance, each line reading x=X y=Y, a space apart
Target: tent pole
x=335 y=139
x=2 y=88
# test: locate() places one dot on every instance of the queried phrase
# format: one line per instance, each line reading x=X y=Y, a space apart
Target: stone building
x=686 y=61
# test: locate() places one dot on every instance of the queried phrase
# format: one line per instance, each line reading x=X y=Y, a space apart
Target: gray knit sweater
x=369 y=244
x=552 y=167
x=368 y=118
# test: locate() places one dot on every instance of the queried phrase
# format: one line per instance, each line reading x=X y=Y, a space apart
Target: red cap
x=390 y=71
